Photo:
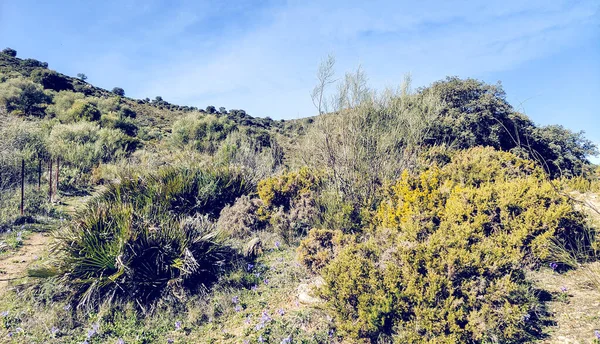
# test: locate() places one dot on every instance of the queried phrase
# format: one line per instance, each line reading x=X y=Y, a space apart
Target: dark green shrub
x=51 y=80
x=118 y=91
x=9 y=52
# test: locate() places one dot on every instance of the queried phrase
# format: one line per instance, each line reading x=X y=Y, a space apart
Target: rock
x=306 y=292
x=253 y=248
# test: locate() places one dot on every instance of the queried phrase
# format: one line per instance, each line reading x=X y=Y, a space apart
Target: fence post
x=22 y=187
x=57 y=170
x=50 y=179
x=39 y=174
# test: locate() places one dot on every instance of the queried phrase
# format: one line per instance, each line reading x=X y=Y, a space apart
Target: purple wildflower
x=287 y=340
x=563 y=289
x=246 y=341
x=277 y=244
x=250 y=266
x=553 y=266
x=526 y=317
x=330 y=333
x=54 y=330
x=261 y=339
x=91 y=333
x=10 y=334
x=120 y=341
x=170 y=341
x=257 y=274
x=265 y=317
x=281 y=311
x=238 y=308
x=4 y=314
x=259 y=326
x=266 y=281
x=178 y=325
x=67 y=307
x=96 y=327
x=254 y=287
x=18 y=329
x=597 y=334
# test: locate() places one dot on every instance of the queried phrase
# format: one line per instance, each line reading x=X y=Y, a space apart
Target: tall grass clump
x=112 y=254
x=149 y=236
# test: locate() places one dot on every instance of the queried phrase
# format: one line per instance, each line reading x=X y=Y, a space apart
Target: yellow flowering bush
x=443 y=260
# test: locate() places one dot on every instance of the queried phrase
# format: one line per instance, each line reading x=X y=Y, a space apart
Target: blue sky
x=261 y=56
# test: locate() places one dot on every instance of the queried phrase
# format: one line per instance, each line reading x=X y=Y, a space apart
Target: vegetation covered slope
x=417 y=215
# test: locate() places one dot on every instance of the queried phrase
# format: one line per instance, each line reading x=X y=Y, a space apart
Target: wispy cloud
x=262 y=55
x=261 y=68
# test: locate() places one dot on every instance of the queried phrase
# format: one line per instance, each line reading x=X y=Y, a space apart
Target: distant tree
x=158 y=99
x=146 y=100
x=9 y=52
x=118 y=91
x=82 y=76
x=222 y=110
x=211 y=109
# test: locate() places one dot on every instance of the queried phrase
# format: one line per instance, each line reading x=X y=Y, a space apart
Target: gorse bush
x=443 y=259
x=320 y=247
x=282 y=190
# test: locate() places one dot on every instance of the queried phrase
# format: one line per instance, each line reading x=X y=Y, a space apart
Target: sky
x=262 y=56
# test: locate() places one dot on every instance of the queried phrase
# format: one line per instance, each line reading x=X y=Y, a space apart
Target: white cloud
x=268 y=69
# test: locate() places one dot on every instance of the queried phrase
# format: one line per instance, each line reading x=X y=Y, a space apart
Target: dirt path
x=15 y=265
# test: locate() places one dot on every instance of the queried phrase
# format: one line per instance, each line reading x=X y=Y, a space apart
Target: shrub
x=240 y=220
x=51 y=80
x=444 y=258
x=82 y=76
x=24 y=96
x=62 y=103
x=320 y=247
x=85 y=145
x=201 y=132
x=282 y=190
x=81 y=110
x=9 y=52
x=118 y=91
x=178 y=191
x=113 y=253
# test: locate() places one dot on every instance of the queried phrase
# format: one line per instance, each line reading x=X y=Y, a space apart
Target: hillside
x=438 y=215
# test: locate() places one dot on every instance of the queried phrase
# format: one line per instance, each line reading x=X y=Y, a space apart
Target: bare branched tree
x=325 y=77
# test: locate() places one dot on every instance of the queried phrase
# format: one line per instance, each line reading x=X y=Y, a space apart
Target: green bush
x=22 y=96
x=282 y=190
x=84 y=145
x=81 y=110
x=444 y=257
x=201 y=132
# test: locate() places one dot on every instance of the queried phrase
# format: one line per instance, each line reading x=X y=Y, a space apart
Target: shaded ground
x=14 y=266
x=575 y=305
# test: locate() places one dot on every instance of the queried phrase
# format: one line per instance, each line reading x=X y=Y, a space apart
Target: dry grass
x=576 y=312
